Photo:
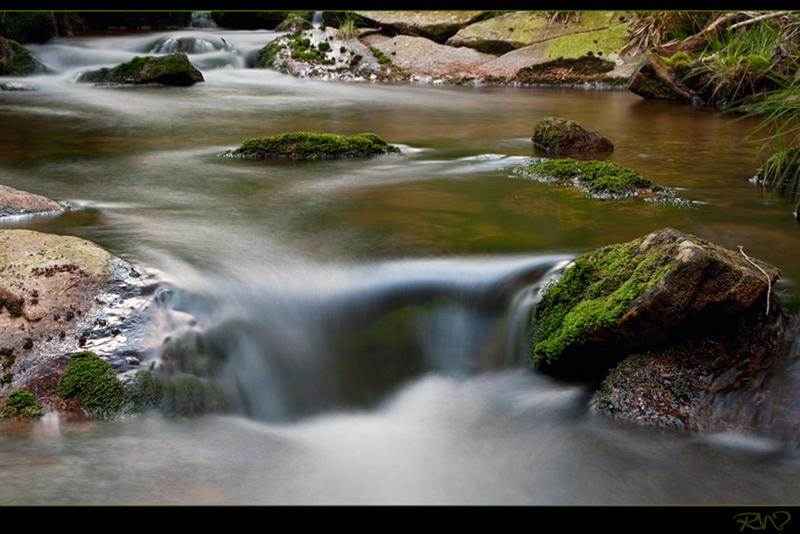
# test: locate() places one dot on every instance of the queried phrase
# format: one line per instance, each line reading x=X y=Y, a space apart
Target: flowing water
x=371 y=315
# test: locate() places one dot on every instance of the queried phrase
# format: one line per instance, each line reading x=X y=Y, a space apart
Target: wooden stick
x=769 y=283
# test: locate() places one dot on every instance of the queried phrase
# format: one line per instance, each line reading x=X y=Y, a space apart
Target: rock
x=304 y=145
x=59 y=295
x=252 y=20
x=15 y=202
x=174 y=69
x=29 y=26
x=599 y=179
x=562 y=136
x=425 y=59
x=135 y=20
x=511 y=31
x=294 y=22
x=644 y=295
x=437 y=26
x=322 y=53
x=15 y=59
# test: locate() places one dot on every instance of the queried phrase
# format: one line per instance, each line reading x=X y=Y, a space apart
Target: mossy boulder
x=94 y=383
x=15 y=59
x=305 y=145
x=562 y=136
x=632 y=297
x=600 y=179
x=174 y=69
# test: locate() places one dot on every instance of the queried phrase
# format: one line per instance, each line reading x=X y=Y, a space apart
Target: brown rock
x=15 y=202
x=54 y=293
x=562 y=136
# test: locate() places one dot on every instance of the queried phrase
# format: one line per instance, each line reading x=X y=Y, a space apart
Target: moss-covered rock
x=561 y=136
x=305 y=145
x=94 y=382
x=21 y=403
x=174 y=69
x=628 y=298
x=600 y=179
x=15 y=59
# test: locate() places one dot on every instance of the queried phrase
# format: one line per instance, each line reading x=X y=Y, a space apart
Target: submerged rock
x=174 y=69
x=58 y=295
x=600 y=179
x=646 y=294
x=305 y=145
x=561 y=136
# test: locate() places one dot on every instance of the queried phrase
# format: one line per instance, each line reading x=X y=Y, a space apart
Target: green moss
x=305 y=145
x=599 y=178
x=604 y=42
x=594 y=293
x=95 y=384
x=382 y=58
x=22 y=62
x=21 y=403
x=182 y=396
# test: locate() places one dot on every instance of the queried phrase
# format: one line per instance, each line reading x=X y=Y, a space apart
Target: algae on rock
x=601 y=179
x=306 y=145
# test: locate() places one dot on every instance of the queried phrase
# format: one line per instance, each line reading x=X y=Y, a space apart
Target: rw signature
x=753 y=520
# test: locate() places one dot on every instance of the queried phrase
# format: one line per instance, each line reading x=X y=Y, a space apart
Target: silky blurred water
x=372 y=315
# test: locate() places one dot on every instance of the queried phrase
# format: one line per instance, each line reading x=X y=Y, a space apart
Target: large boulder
x=424 y=59
x=174 y=69
x=511 y=31
x=59 y=295
x=434 y=25
x=644 y=295
x=562 y=136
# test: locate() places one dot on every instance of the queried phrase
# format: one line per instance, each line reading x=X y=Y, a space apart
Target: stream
x=371 y=315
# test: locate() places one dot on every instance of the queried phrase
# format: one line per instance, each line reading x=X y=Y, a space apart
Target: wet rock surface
x=174 y=69
x=461 y=48
x=692 y=344
x=59 y=295
x=562 y=136
x=644 y=295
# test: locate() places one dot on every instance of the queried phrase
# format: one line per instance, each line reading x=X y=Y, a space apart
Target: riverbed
x=272 y=271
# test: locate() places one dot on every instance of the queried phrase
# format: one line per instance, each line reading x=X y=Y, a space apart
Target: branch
x=769 y=283
x=756 y=19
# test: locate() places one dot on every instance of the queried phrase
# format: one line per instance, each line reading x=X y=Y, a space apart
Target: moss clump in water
x=601 y=179
x=594 y=293
x=305 y=145
x=94 y=382
x=21 y=403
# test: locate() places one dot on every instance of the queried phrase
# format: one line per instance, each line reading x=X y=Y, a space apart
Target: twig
x=769 y=283
x=756 y=19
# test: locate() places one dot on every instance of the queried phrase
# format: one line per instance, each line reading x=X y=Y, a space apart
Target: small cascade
x=286 y=351
x=316 y=20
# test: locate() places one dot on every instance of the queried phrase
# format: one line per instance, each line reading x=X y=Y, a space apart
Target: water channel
x=438 y=253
